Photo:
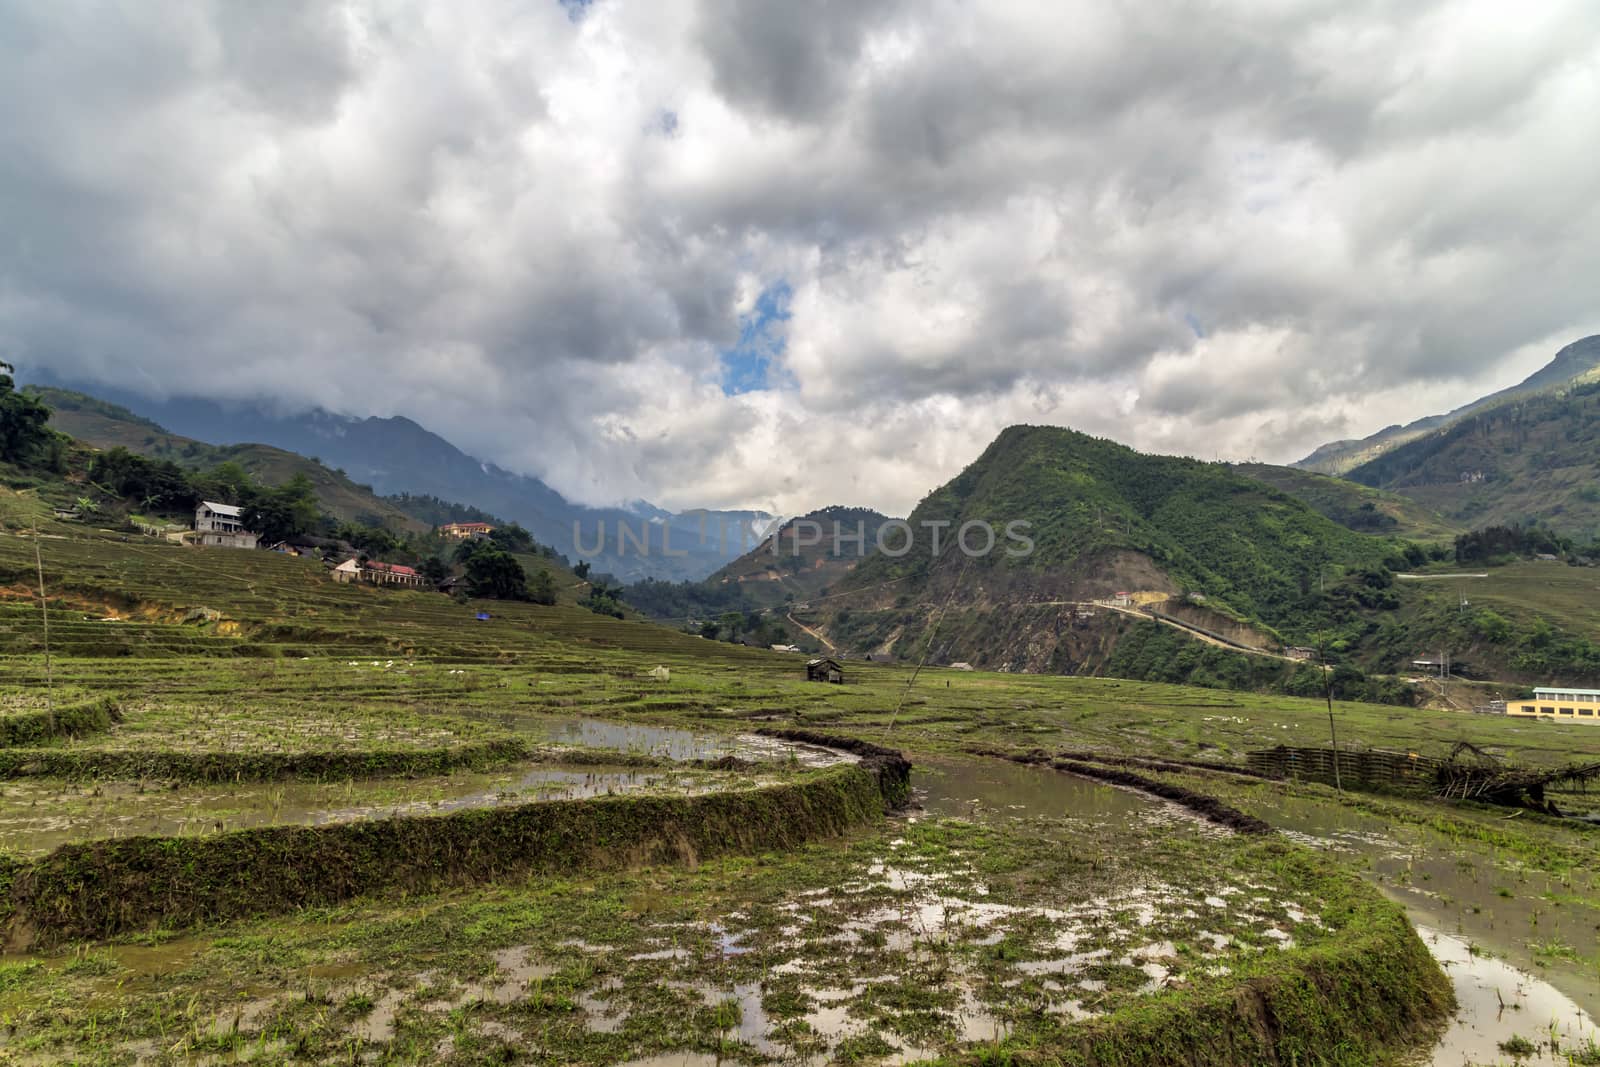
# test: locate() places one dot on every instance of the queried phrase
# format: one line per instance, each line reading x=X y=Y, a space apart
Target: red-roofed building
x=461 y=531
x=391 y=574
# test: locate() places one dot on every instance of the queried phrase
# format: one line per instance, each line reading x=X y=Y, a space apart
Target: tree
x=542 y=588
x=434 y=569
x=513 y=538
x=582 y=569
x=286 y=511
x=495 y=574
x=153 y=485
x=23 y=433
x=602 y=600
x=373 y=540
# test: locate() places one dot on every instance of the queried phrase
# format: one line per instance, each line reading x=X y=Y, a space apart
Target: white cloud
x=1234 y=230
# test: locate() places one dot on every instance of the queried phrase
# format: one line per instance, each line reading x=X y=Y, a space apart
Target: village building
x=463 y=531
x=222 y=526
x=348 y=571
x=391 y=574
x=824 y=670
x=1559 y=705
x=1298 y=652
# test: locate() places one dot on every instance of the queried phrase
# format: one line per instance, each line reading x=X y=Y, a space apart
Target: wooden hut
x=824 y=670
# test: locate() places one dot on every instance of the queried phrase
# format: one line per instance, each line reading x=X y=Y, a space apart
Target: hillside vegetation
x=1095 y=509
x=804 y=558
x=1353 y=505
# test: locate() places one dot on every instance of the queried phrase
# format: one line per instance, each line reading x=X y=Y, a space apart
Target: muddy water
x=678 y=744
x=998 y=790
x=38 y=815
x=1507 y=911
x=1498 y=1006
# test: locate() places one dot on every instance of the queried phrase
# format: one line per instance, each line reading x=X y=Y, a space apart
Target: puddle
x=999 y=790
x=1499 y=1005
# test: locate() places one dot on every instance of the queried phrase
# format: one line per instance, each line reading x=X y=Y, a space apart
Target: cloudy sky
x=780 y=254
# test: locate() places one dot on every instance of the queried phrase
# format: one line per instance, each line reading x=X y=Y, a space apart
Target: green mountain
x=1226 y=552
x=1577 y=363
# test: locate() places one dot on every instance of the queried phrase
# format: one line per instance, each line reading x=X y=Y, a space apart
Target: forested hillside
x=1353 y=505
x=1529 y=459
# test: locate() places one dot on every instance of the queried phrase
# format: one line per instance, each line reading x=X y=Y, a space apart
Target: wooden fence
x=1404 y=772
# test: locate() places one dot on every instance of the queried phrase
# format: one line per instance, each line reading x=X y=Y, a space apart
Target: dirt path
x=825 y=642
x=1196 y=634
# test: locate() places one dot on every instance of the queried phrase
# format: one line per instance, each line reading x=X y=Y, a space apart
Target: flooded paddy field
x=37 y=815
x=946 y=927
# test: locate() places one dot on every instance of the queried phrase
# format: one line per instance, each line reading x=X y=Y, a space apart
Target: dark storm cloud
x=1213 y=228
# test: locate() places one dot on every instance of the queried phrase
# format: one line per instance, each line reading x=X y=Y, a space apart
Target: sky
x=783 y=255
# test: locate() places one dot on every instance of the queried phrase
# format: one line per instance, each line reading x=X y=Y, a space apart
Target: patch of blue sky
x=755 y=362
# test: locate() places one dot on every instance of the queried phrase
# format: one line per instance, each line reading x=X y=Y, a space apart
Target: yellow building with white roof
x=1559 y=705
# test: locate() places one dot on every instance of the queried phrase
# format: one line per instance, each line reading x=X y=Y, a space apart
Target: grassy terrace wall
x=70 y=720
x=1373 y=990
x=104 y=888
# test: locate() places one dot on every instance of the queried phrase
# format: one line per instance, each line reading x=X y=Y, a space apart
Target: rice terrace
x=271 y=818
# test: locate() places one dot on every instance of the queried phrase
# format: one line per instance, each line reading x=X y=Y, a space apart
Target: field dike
x=70 y=720
x=1376 y=989
x=104 y=888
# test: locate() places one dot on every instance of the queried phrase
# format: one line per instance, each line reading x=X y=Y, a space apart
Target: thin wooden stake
x=1333 y=736
x=44 y=612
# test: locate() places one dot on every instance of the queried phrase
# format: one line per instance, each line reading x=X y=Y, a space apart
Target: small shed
x=824 y=670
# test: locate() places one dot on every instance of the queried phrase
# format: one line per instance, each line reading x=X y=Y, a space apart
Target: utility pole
x=1333 y=736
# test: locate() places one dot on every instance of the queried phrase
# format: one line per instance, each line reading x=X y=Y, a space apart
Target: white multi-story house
x=222 y=526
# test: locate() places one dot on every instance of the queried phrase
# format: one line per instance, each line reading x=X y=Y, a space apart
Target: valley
x=251 y=813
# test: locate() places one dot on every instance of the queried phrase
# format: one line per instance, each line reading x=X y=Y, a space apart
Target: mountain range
x=1577 y=362
x=1529 y=453
x=395 y=455
x=1250 y=557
